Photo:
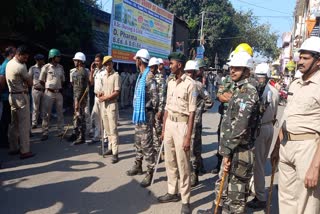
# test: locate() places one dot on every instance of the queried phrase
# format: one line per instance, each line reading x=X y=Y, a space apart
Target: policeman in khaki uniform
x=79 y=78
x=268 y=107
x=52 y=77
x=177 y=130
x=298 y=143
x=108 y=99
x=18 y=81
x=97 y=72
x=37 y=89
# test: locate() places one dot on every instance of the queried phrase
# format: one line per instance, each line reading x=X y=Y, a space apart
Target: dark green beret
x=177 y=56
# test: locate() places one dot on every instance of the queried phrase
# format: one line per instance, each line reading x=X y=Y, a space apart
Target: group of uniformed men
x=168 y=112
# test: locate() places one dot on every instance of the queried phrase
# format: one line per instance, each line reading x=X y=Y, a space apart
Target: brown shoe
x=27 y=155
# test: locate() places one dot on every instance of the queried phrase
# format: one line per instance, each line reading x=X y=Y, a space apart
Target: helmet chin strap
x=311 y=66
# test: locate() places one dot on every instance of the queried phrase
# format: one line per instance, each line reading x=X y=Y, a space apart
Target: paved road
x=74 y=179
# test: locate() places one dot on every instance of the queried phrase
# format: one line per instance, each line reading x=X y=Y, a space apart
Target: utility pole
x=201 y=30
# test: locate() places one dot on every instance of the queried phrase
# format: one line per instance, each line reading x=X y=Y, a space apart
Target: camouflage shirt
x=162 y=90
x=236 y=125
x=204 y=101
x=152 y=97
x=226 y=86
x=79 y=79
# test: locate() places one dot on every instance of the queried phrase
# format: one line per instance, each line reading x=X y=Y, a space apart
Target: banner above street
x=139 y=24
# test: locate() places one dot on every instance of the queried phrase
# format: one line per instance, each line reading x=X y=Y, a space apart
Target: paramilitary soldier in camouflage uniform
x=237 y=135
x=223 y=95
x=79 y=79
x=145 y=104
x=204 y=102
x=161 y=87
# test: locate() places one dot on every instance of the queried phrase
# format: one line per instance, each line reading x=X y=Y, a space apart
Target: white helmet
x=241 y=59
x=263 y=69
x=153 y=61
x=160 y=61
x=298 y=74
x=191 y=65
x=79 y=56
x=143 y=54
x=311 y=44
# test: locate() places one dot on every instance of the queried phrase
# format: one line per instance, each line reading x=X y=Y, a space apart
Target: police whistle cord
x=80 y=101
x=270 y=188
x=224 y=175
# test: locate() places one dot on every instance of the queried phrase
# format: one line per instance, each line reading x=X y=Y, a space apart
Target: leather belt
x=39 y=89
x=301 y=137
x=19 y=92
x=179 y=118
x=54 y=90
x=267 y=123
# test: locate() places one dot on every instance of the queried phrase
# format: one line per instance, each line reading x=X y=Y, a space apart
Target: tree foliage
x=50 y=23
x=224 y=28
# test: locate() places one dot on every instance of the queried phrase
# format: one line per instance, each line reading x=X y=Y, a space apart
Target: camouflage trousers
x=236 y=188
x=143 y=141
x=79 y=119
x=157 y=130
x=196 y=147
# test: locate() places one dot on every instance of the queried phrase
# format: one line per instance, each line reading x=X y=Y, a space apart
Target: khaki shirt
x=98 y=79
x=181 y=98
x=303 y=108
x=52 y=75
x=270 y=95
x=16 y=76
x=111 y=83
x=34 y=72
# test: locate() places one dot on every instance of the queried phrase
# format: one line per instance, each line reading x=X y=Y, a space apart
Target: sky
x=278 y=13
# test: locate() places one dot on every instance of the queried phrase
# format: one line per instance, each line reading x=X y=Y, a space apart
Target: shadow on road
x=71 y=197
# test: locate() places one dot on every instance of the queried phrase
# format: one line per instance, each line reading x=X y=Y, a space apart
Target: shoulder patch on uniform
x=242 y=106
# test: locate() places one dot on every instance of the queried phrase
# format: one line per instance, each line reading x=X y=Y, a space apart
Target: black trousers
x=4 y=124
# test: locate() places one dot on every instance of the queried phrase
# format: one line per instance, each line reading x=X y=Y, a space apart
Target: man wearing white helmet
x=298 y=140
x=236 y=144
x=161 y=69
x=145 y=104
x=162 y=89
x=268 y=107
x=204 y=102
x=79 y=78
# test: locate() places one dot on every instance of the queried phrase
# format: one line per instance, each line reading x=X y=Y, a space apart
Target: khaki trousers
x=177 y=161
x=110 y=120
x=261 y=151
x=295 y=159
x=20 y=123
x=49 y=99
x=37 y=109
x=96 y=120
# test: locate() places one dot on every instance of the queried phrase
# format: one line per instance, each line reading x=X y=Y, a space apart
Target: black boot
x=194 y=179
x=114 y=159
x=147 y=180
x=72 y=137
x=79 y=140
x=135 y=170
x=216 y=170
